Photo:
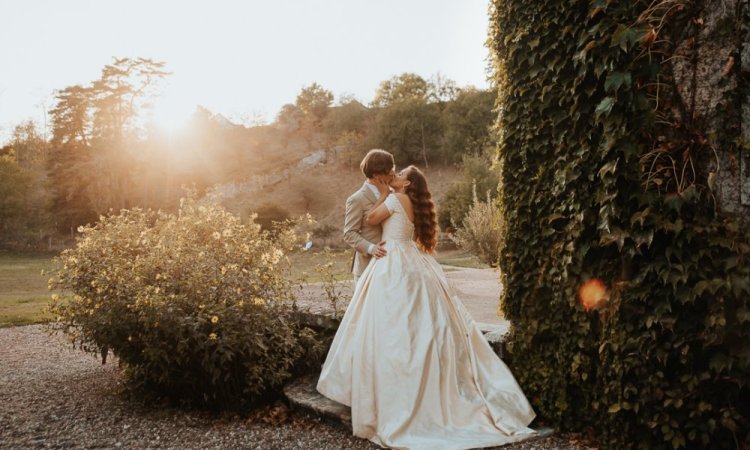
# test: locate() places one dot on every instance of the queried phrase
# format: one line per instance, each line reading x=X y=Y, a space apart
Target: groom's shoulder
x=356 y=195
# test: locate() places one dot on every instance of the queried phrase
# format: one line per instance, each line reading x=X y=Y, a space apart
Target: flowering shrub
x=481 y=230
x=194 y=305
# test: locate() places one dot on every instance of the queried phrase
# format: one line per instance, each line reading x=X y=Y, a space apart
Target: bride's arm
x=379 y=211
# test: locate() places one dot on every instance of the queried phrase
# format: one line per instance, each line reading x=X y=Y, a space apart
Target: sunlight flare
x=170 y=113
x=593 y=294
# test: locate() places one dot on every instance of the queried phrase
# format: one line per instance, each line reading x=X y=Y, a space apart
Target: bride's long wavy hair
x=425 y=218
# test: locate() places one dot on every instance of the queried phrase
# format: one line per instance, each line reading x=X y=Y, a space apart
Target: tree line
x=419 y=121
x=103 y=154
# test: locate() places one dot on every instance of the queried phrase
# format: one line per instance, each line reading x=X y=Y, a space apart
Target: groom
x=377 y=164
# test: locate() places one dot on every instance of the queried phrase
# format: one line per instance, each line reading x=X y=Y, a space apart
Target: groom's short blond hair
x=377 y=162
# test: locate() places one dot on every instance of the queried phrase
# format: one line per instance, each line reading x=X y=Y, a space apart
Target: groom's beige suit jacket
x=357 y=233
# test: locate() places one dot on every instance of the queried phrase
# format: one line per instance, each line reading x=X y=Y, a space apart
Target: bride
x=407 y=357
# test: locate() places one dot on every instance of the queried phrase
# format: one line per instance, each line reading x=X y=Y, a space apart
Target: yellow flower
x=201 y=306
x=242 y=302
x=55 y=297
x=258 y=301
x=212 y=337
x=217 y=235
x=215 y=319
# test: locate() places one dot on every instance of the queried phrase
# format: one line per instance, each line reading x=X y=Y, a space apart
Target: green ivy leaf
x=608 y=168
x=615 y=80
x=604 y=107
x=624 y=37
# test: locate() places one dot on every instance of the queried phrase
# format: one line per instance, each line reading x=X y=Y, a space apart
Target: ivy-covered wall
x=613 y=168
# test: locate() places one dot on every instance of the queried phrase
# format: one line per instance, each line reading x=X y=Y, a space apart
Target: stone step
x=304 y=398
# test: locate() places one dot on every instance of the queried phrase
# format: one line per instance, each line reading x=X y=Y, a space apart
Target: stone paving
x=478 y=289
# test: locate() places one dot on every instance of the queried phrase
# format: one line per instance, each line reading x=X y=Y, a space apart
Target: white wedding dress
x=411 y=362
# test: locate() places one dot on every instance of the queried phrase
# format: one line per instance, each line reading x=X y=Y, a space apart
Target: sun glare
x=170 y=114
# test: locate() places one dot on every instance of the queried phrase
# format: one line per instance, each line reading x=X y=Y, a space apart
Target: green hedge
x=587 y=105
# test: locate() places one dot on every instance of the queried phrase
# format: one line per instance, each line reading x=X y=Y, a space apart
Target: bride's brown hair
x=425 y=218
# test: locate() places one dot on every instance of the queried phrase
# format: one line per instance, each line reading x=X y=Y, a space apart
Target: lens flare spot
x=593 y=294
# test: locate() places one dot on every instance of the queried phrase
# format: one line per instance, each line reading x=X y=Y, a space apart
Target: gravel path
x=52 y=396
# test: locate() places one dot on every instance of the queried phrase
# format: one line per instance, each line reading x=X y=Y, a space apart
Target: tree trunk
x=706 y=76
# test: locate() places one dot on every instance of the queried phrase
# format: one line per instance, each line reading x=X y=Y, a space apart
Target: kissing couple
x=408 y=358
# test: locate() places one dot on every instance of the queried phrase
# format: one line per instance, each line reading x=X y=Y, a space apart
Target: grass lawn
x=23 y=289
x=24 y=294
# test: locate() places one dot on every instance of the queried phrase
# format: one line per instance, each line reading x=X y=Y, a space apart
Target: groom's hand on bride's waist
x=379 y=250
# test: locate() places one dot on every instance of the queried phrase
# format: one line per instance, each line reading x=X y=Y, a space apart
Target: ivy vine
x=607 y=172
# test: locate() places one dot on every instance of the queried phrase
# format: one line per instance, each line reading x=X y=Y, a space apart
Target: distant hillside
x=320 y=190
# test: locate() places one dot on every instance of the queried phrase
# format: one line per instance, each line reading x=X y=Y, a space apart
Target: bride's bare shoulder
x=406 y=204
x=403 y=198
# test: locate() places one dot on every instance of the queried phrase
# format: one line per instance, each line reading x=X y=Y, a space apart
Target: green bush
x=268 y=215
x=194 y=304
x=481 y=230
x=476 y=170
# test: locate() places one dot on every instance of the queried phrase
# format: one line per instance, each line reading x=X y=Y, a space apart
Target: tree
x=23 y=197
x=118 y=97
x=467 y=122
x=410 y=129
x=14 y=185
x=312 y=105
x=70 y=153
x=314 y=102
x=351 y=116
x=289 y=118
x=71 y=119
x=345 y=129
x=28 y=145
x=121 y=93
x=407 y=86
x=442 y=89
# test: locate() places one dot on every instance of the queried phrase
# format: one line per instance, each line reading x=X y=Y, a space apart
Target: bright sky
x=239 y=58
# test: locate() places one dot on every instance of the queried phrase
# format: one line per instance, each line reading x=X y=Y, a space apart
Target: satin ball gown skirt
x=413 y=365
